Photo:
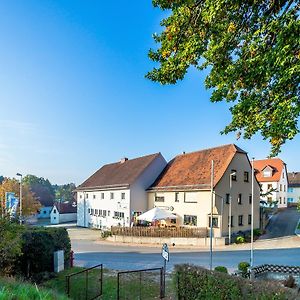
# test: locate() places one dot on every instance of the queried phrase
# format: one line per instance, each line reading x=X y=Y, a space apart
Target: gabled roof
x=275 y=163
x=119 y=174
x=294 y=179
x=192 y=171
x=66 y=207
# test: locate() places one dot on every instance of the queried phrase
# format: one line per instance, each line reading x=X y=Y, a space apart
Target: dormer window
x=267 y=171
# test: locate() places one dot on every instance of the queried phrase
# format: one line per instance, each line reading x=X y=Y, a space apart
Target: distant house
x=273 y=178
x=63 y=212
x=44 y=212
x=184 y=188
x=294 y=187
x=116 y=193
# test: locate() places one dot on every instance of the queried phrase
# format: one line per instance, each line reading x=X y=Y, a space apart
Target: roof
x=275 y=163
x=294 y=179
x=122 y=173
x=66 y=207
x=192 y=171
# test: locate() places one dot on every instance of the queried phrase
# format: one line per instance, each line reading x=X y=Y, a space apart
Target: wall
x=44 y=212
x=293 y=194
x=64 y=218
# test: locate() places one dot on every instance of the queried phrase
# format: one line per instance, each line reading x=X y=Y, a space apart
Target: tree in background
x=1 y=179
x=65 y=192
x=252 y=52
x=30 y=204
x=41 y=188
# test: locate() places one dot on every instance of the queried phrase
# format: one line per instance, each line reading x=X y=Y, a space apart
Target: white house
x=184 y=188
x=116 y=193
x=272 y=176
x=294 y=187
x=44 y=212
x=63 y=212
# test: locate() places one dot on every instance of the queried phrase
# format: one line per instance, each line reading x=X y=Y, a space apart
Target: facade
x=294 y=187
x=116 y=193
x=184 y=187
x=273 y=178
x=44 y=212
x=63 y=212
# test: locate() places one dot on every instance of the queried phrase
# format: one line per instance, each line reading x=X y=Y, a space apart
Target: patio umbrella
x=155 y=214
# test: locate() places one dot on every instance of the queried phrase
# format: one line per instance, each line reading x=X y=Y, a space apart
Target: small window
x=122 y=196
x=283 y=200
x=100 y=212
x=111 y=196
x=249 y=219
x=86 y=196
x=102 y=195
x=240 y=220
x=159 y=199
x=250 y=199
x=246 y=176
x=104 y=213
x=280 y=200
x=284 y=188
x=176 y=197
x=45 y=212
x=92 y=211
x=80 y=196
x=231 y=221
x=269 y=199
x=94 y=196
x=108 y=213
x=240 y=199
x=214 y=222
x=96 y=211
x=54 y=218
x=89 y=210
x=233 y=175
x=269 y=187
x=227 y=199
x=54 y=210
x=267 y=173
x=290 y=190
x=280 y=187
x=190 y=220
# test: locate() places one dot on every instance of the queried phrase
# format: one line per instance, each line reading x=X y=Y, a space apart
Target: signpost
x=166 y=256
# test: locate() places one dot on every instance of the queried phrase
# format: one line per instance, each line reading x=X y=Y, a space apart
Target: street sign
x=165 y=252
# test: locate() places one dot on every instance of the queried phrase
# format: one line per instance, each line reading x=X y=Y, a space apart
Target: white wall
x=57 y=218
x=293 y=194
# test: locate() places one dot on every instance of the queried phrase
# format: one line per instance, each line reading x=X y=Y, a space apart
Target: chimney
x=123 y=160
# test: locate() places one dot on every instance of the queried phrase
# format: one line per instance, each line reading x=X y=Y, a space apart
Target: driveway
x=282 y=224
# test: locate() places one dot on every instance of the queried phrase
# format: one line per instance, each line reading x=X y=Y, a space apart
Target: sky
x=73 y=93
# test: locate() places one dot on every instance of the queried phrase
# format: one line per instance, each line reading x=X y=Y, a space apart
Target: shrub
x=290 y=282
x=257 y=232
x=243 y=266
x=221 y=269
x=198 y=283
x=240 y=240
x=105 y=234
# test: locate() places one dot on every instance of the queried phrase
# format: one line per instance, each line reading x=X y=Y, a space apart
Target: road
x=282 y=224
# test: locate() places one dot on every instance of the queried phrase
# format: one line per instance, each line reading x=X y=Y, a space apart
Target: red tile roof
x=294 y=179
x=193 y=170
x=275 y=163
x=122 y=173
x=66 y=207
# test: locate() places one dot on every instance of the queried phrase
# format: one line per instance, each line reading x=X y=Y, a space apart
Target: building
x=272 y=175
x=63 y=212
x=44 y=212
x=184 y=187
x=293 y=187
x=116 y=193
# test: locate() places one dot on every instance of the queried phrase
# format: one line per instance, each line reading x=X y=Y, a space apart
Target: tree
x=65 y=192
x=1 y=179
x=252 y=52
x=41 y=188
x=29 y=202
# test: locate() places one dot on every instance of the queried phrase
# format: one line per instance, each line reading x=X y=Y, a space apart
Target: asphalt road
x=282 y=224
x=134 y=259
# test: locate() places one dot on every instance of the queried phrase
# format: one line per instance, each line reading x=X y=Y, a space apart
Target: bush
x=257 y=232
x=243 y=266
x=290 y=282
x=198 y=283
x=240 y=240
x=105 y=234
x=221 y=269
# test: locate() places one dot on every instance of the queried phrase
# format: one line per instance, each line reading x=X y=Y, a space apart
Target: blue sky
x=73 y=94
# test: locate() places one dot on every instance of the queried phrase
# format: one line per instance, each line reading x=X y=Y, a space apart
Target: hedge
x=198 y=283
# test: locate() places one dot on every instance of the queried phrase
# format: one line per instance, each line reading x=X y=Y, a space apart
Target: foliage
x=65 y=192
x=221 y=269
x=290 y=282
x=240 y=240
x=12 y=290
x=10 y=246
x=198 y=283
x=105 y=234
x=29 y=202
x=257 y=232
x=251 y=50
x=41 y=188
x=243 y=266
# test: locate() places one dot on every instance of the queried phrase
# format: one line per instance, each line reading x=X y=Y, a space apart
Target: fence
x=91 y=279
x=178 y=232
x=147 y=284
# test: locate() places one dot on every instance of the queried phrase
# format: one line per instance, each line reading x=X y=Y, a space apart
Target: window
x=96 y=211
x=104 y=213
x=122 y=196
x=89 y=211
x=111 y=196
x=290 y=199
x=231 y=221
x=269 y=187
x=54 y=210
x=86 y=196
x=94 y=196
x=269 y=199
x=249 y=219
x=108 y=213
x=250 y=199
x=290 y=190
x=227 y=199
x=100 y=212
x=280 y=200
x=118 y=214
x=173 y=221
x=280 y=187
x=80 y=196
x=246 y=176
x=92 y=211
x=176 y=197
x=240 y=220
x=283 y=200
x=233 y=175
x=159 y=199
x=284 y=188
x=102 y=195
x=190 y=220
x=267 y=173
x=240 y=199
x=44 y=212
x=214 y=222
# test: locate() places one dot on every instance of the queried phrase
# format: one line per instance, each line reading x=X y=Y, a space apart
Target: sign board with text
x=165 y=252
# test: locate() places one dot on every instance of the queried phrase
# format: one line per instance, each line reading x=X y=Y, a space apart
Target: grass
x=130 y=285
x=11 y=289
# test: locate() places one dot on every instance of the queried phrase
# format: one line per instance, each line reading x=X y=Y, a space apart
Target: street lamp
x=230 y=200
x=211 y=211
x=252 y=211
x=18 y=174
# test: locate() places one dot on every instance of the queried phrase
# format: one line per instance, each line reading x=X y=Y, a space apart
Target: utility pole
x=211 y=210
x=252 y=212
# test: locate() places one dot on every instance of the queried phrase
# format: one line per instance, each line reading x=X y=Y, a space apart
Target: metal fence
x=92 y=281
x=179 y=232
x=146 y=284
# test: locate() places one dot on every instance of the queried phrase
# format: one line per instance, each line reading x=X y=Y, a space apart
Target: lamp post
x=211 y=211
x=252 y=211
x=230 y=200
x=18 y=174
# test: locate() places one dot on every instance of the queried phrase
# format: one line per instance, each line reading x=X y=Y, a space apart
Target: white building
x=272 y=176
x=116 y=193
x=63 y=212
x=294 y=187
x=44 y=212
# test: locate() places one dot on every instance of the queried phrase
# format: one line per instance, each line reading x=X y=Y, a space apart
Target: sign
x=165 y=252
